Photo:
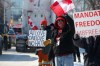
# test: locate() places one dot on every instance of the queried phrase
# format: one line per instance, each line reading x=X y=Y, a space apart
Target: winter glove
x=47 y=42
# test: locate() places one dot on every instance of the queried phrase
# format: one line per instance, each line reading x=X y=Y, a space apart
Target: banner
x=87 y=23
x=36 y=38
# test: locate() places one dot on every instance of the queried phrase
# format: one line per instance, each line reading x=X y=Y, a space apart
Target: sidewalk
x=13 y=58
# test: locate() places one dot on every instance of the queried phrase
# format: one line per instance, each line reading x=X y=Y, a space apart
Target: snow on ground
x=12 y=58
x=82 y=60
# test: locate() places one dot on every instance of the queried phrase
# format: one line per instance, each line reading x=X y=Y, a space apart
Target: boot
x=79 y=60
x=74 y=59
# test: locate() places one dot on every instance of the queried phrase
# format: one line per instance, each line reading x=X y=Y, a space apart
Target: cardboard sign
x=36 y=38
x=87 y=23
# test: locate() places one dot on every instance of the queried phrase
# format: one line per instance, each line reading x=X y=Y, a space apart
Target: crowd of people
x=62 y=45
x=91 y=45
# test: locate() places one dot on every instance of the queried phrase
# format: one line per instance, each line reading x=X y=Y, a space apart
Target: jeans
x=66 y=60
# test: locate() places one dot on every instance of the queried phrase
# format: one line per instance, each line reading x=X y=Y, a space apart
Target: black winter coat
x=66 y=43
x=51 y=54
x=48 y=36
x=92 y=49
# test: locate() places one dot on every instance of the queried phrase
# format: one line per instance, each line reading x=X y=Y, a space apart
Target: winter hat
x=56 y=21
x=43 y=22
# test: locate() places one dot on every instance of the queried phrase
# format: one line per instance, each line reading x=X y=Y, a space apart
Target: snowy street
x=13 y=58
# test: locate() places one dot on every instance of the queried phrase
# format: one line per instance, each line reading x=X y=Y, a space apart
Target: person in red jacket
x=64 y=45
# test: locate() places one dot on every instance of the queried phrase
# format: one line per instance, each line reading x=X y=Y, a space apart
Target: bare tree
x=92 y=4
x=83 y=5
x=78 y=5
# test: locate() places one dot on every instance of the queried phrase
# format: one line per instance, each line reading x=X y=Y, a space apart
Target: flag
x=34 y=28
x=29 y=21
x=31 y=24
x=57 y=9
x=62 y=7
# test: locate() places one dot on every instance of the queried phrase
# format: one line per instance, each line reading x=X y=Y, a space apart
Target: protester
x=5 y=42
x=64 y=45
x=51 y=55
x=43 y=52
x=1 y=43
x=91 y=45
x=76 y=54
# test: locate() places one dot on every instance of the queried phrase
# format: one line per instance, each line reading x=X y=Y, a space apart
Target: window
x=35 y=15
x=41 y=15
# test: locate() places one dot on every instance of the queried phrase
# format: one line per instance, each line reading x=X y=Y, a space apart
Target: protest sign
x=36 y=38
x=87 y=23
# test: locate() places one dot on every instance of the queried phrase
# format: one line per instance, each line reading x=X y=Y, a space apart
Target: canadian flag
x=34 y=27
x=62 y=7
x=30 y=23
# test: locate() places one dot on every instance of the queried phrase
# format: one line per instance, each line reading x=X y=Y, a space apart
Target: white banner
x=87 y=23
x=36 y=38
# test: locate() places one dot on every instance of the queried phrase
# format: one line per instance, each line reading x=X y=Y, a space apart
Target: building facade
x=37 y=10
x=19 y=10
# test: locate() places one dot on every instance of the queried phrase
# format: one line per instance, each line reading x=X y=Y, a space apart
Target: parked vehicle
x=11 y=37
x=21 y=43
